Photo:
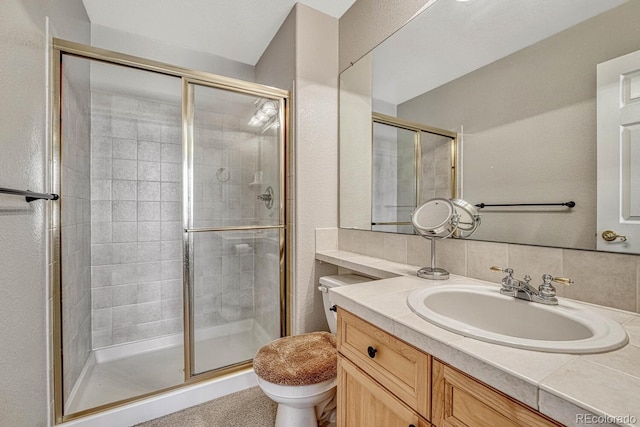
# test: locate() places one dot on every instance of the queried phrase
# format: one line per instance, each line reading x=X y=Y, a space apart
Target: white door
x=619 y=153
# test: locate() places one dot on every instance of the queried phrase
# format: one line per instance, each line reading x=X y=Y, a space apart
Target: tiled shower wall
x=226 y=161
x=436 y=167
x=267 y=283
x=237 y=278
x=137 y=222
x=267 y=255
x=385 y=154
x=136 y=217
x=394 y=187
x=76 y=228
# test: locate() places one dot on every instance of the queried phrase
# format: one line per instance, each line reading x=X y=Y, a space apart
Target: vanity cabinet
x=365 y=403
x=383 y=381
x=400 y=368
x=459 y=400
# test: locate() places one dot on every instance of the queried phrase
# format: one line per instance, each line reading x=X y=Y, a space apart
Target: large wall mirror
x=533 y=92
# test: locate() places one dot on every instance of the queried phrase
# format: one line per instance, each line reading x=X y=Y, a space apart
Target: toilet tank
x=327 y=282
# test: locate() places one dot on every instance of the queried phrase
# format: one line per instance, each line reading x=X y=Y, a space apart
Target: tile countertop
x=562 y=386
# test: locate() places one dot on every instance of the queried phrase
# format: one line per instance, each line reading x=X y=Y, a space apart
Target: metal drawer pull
x=372 y=352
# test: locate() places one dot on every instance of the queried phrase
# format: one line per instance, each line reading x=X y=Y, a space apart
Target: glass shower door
x=394 y=178
x=168 y=241
x=234 y=225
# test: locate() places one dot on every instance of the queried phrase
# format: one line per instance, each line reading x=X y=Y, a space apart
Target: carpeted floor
x=245 y=408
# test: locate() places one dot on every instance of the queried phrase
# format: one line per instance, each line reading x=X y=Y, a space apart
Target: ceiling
x=235 y=29
x=467 y=35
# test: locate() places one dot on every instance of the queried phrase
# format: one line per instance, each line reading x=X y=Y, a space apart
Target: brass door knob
x=610 y=236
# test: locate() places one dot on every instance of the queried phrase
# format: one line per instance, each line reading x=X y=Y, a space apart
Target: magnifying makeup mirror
x=469 y=218
x=441 y=218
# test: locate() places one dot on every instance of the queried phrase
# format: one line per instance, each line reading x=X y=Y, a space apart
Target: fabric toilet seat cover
x=298 y=360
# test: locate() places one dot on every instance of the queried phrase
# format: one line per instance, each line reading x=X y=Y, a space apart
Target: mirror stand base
x=433 y=273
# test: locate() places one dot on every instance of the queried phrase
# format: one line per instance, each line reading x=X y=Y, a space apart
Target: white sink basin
x=483 y=313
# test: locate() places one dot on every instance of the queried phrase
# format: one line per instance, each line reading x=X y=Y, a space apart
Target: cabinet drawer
x=459 y=400
x=399 y=367
x=364 y=403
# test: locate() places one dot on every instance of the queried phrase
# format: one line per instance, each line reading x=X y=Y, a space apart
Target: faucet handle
x=546 y=290
x=508 y=279
x=564 y=280
x=508 y=282
x=501 y=270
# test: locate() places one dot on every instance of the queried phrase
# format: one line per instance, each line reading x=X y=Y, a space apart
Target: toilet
x=299 y=372
x=327 y=282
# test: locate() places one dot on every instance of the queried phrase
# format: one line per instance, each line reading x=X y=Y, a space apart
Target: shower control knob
x=372 y=352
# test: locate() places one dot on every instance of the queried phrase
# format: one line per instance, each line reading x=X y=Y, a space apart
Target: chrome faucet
x=522 y=289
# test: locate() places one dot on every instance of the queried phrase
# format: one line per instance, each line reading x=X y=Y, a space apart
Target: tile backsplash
x=603 y=278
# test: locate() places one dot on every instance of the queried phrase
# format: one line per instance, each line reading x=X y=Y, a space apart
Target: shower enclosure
x=411 y=163
x=169 y=237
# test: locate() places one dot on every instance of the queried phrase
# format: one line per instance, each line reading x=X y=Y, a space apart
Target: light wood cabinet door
x=461 y=401
x=400 y=368
x=362 y=402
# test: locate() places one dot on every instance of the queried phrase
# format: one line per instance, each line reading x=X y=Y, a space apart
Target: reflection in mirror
x=439 y=218
x=411 y=163
x=469 y=218
x=394 y=189
x=520 y=79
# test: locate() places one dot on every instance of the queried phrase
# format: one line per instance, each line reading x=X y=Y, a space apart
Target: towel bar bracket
x=29 y=196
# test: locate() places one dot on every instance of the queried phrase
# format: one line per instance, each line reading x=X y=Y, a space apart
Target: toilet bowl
x=299 y=372
x=297 y=404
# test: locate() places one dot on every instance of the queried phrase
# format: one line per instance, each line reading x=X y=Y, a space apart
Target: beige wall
x=277 y=65
x=23 y=285
x=304 y=52
x=316 y=155
x=355 y=154
x=368 y=22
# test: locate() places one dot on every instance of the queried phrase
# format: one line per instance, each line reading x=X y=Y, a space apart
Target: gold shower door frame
x=418 y=129
x=189 y=78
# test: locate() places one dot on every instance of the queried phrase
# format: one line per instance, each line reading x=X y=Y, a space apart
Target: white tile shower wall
x=436 y=166
x=386 y=151
x=267 y=283
x=603 y=278
x=226 y=158
x=76 y=231
x=136 y=221
x=224 y=278
x=405 y=178
x=225 y=162
x=267 y=258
